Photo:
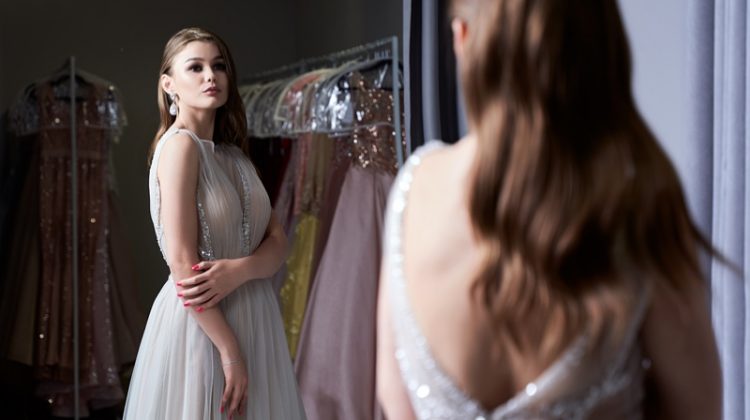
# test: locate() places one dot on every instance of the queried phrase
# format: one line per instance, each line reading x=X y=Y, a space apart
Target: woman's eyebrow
x=218 y=57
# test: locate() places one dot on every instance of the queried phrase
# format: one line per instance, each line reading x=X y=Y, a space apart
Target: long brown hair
x=571 y=190
x=230 y=124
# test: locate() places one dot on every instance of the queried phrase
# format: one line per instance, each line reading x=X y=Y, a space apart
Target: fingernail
x=179 y=295
x=196 y=267
x=200 y=309
x=179 y=283
x=221 y=409
x=186 y=304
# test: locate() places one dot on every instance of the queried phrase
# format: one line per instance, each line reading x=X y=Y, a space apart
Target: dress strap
x=188 y=132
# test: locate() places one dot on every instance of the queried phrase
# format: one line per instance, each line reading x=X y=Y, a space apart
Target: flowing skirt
x=178 y=372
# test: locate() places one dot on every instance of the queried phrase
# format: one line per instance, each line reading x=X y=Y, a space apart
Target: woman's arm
x=391 y=391
x=221 y=277
x=685 y=377
x=178 y=178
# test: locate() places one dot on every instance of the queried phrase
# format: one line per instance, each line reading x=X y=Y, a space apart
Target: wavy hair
x=571 y=193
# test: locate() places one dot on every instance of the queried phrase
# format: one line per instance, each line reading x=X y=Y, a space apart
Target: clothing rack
x=386 y=48
x=74 y=212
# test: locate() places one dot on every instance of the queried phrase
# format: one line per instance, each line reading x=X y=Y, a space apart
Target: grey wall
x=330 y=25
x=122 y=42
x=658 y=33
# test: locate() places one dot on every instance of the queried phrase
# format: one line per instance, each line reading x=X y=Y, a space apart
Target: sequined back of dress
x=575 y=386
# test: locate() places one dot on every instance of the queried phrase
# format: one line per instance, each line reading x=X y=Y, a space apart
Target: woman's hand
x=217 y=279
x=234 y=399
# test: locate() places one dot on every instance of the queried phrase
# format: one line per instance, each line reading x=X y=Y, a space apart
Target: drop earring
x=173 y=107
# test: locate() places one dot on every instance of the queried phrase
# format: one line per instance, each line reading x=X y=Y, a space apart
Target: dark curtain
x=433 y=109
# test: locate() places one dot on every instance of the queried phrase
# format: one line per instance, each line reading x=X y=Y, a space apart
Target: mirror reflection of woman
x=546 y=266
x=214 y=344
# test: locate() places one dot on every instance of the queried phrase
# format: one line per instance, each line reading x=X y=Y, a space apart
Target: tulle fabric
x=178 y=372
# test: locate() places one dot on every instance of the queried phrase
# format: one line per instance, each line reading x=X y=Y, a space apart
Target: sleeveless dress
x=580 y=384
x=178 y=372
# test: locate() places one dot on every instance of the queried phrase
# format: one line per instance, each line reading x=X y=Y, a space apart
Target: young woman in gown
x=546 y=265
x=214 y=344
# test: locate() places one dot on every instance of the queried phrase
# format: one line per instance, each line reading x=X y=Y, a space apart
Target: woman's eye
x=220 y=66
x=196 y=68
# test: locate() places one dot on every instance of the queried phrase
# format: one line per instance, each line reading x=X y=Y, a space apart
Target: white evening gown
x=579 y=385
x=178 y=372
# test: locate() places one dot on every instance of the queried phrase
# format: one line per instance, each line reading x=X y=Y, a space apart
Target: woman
x=214 y=343
x=546 y=265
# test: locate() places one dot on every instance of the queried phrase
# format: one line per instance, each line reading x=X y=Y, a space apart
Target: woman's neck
x=200 y=122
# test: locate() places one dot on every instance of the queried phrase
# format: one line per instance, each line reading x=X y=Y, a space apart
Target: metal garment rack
x=386 y=48
x=74 y=211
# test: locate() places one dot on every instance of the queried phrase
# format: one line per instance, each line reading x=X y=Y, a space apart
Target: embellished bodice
x=233 y=208
x=579 y=384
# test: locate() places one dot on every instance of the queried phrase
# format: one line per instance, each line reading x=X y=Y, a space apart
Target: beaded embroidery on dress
x=178 y=372
x=574 y=387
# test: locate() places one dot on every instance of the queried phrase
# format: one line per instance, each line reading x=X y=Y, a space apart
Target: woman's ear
x=166 y=83
x=460 y=31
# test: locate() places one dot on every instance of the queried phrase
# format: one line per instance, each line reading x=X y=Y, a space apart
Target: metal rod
x=396 y=86
x=74 y=211
x=306 y=64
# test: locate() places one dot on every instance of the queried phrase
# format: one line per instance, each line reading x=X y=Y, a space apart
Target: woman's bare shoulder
x=179 y=154
x=444 y=159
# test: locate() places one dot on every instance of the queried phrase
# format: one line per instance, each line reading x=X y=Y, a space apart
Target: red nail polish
x=221 y=409
x=179 y=295
x=195 y=267
x=179 y=283
x=200 y=309
x=186 y=304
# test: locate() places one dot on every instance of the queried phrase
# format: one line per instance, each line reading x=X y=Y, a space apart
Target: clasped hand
x=216 y=279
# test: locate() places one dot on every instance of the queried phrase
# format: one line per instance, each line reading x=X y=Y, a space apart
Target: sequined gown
x=37 y=317
x=178 y=372
x=580 y=384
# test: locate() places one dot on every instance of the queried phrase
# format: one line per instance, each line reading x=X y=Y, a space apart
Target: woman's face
x=199 y=77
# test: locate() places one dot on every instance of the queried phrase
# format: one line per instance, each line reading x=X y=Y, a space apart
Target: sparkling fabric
x=103 y=111
x=575 y=386
x=41 y=316
x=335 y=362
x=53 y=359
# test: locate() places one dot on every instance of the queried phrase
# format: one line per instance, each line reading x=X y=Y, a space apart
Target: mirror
x=103 y=251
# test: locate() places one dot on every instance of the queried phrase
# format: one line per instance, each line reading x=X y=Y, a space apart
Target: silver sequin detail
x=246 y=211
x=158 y=229
x=530 y=389
x=440 y=399
x=204 y=248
